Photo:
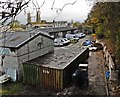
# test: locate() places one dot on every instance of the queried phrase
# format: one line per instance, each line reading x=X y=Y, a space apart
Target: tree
x=13 y=8
x=76 y=24
x=28 y=18
x=105 y=18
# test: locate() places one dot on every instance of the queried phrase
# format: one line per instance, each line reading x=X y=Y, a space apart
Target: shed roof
x=18 y=39
x=59 y=59
x=57 y=29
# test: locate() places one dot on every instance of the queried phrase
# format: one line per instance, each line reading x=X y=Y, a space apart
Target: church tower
x=38 y=19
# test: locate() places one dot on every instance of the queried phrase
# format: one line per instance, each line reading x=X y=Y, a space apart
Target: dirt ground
x=96 y=78
x=96 y=74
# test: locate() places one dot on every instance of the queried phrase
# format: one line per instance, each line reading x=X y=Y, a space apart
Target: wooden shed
x=54 y=71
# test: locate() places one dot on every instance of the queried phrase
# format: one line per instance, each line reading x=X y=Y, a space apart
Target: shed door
x=13 y=73
x=46 y=77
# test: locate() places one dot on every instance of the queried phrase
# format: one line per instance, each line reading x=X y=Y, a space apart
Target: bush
x=100 y=36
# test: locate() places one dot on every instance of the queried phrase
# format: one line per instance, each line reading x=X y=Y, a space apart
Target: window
x=5 y=51
x=74 y=36
x=39 y=45
x=62 y=40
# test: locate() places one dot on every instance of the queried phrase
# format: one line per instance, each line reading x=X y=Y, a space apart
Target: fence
x=108 y=58
x=43 y=77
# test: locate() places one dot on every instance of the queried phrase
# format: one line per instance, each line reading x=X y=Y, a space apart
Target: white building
x=21 y=47
x=60 y=24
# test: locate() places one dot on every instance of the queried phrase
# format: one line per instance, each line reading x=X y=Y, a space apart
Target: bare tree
x=59 y=10
x=11 y=8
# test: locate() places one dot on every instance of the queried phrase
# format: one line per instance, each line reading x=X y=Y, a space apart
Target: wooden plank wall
x=44 y=77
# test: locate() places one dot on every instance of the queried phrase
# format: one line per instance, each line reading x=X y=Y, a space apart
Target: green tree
x=15 y=24
x=105 y=18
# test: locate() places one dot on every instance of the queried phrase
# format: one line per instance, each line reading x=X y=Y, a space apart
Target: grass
x=11 y=88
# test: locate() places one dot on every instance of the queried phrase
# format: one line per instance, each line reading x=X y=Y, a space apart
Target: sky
x=76 y=12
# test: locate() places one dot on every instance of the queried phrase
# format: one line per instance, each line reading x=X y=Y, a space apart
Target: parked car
x=87 y=43
x=80 y=35
x=66 y=40
x=61 y=41
x=98 y=45
x=71 y=36
x=90 y=45
x=92 y=48
x=76 y=31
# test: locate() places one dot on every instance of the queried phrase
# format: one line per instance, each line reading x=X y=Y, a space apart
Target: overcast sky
x=76 y=12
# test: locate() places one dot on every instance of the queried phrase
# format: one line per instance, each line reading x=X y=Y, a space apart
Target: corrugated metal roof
x=57 y=29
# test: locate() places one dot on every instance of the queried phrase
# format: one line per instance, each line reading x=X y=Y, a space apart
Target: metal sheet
x=13 y=73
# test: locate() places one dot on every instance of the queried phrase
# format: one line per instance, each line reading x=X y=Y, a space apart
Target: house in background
x=41 y=24
x=19 y=47
x=60 y=23
x=38 y=23
x=57 y=31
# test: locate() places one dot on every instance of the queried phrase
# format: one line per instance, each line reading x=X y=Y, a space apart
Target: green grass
x=11 y=88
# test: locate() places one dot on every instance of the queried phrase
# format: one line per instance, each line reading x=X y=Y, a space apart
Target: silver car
x=80 y=35
x=61 y=41
x=71 y=36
